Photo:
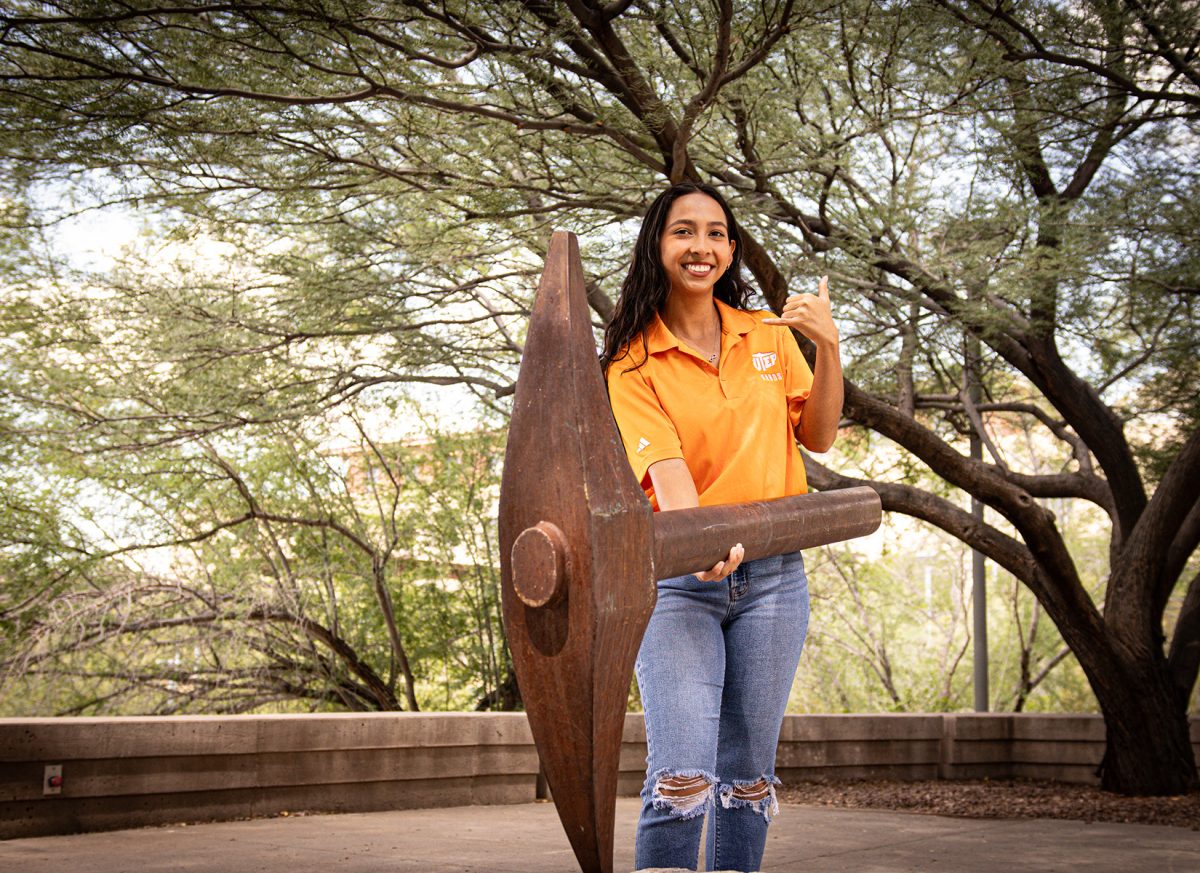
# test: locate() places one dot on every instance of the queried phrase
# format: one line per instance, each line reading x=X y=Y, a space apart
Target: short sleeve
x=797 y=377
x=646 y=430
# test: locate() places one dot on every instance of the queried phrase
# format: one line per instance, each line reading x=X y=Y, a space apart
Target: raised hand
x=810 y=314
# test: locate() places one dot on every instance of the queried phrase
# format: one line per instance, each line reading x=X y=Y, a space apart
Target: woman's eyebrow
x=692 y=223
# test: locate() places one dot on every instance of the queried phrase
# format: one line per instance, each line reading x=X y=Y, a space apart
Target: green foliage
x=345 y=204
x=266 y=581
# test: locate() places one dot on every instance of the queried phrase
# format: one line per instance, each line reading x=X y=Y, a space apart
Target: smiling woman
x=696 y=250
x=711 y=400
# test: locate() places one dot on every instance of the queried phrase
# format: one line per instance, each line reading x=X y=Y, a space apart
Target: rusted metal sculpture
x=581 y=549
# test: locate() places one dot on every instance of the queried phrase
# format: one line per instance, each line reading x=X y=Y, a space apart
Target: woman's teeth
x=699 y=269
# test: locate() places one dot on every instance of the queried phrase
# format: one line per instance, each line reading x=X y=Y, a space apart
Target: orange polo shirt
x=734 y=426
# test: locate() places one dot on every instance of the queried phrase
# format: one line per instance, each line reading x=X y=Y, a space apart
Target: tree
x=301 y=576
x=883 y=643
x=892 y=628
x=1003 y=174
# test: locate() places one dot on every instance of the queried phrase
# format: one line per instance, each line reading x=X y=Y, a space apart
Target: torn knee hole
x=685 y=795
x=758 y=795
x=759 y=790
x=682 y=786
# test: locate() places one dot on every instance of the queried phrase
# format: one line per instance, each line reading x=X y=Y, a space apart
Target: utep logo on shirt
x=764 y=361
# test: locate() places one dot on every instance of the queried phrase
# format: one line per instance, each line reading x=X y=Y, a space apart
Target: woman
x=710 y=400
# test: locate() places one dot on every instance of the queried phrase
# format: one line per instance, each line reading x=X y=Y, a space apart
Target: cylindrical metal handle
x=693 y=540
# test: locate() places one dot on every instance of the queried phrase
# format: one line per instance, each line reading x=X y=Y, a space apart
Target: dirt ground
x=1000 y=799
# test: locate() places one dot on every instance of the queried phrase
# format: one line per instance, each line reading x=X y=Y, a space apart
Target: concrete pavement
x=528 y=839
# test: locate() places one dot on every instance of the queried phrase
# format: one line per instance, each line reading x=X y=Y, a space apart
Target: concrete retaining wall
x=126 y=772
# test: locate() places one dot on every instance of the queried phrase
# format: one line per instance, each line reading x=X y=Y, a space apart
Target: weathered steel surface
x=565 y=467
x=689 y=540
x=580 y=549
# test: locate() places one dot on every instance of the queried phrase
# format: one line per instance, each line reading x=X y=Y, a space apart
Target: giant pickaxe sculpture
x=580 y=550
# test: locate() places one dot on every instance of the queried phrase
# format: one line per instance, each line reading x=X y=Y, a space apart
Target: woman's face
x=695 y=245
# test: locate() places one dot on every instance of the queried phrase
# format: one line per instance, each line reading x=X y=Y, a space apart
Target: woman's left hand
x=810 y=314
x=726 y=567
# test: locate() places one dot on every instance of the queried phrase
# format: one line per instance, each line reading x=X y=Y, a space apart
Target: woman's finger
x=724 y=568
x=736 y=554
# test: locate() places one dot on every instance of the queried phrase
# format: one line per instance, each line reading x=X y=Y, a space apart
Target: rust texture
x=691 y=540
x=580 y=549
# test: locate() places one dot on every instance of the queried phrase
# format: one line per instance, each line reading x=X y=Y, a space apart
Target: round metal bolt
x=539 y=564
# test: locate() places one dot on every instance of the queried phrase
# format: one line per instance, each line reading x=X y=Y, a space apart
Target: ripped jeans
x=715 y=670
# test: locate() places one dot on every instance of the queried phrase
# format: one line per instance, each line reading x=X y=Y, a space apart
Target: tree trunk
x=1149 y=749
x=504 y=698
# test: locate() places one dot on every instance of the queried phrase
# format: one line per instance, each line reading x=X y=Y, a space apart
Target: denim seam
x=739 y=584
x=637 y=672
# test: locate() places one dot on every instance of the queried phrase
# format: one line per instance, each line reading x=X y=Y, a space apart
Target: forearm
x=822 y=410
x=674 y=487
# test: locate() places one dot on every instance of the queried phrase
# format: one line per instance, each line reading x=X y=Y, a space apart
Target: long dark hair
x=644 y=291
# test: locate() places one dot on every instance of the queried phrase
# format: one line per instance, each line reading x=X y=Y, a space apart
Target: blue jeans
x=715 y=670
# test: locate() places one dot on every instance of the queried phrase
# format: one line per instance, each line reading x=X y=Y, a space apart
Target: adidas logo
x=642 y=443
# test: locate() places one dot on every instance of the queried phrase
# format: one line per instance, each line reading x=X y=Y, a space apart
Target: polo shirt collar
x=733 y=321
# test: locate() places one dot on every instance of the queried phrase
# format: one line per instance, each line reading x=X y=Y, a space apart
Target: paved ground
x=528 y=839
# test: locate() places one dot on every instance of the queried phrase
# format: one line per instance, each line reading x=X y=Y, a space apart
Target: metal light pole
x=978 y=571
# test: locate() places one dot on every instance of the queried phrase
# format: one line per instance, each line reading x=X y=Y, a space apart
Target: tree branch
x=1183 y=656
x=1138 y=580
